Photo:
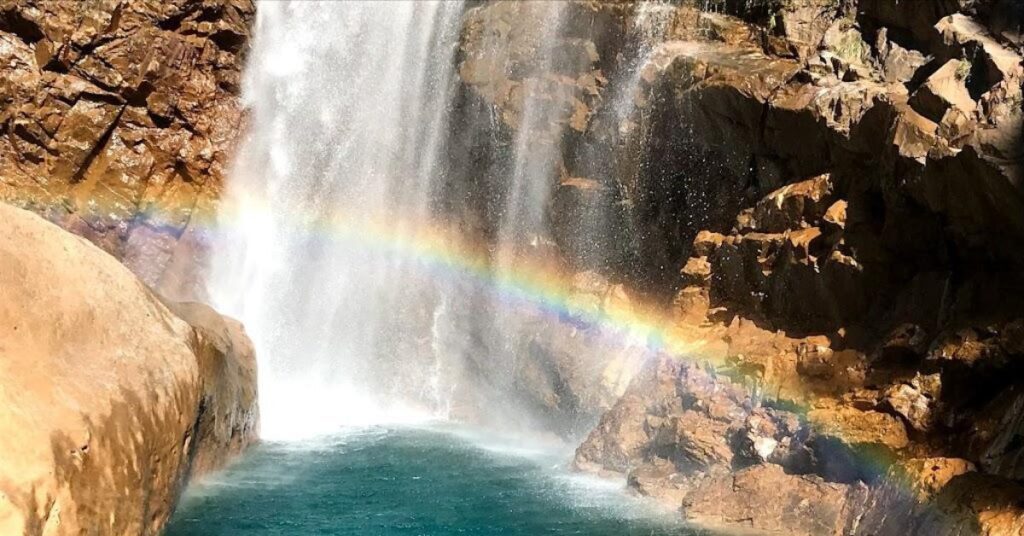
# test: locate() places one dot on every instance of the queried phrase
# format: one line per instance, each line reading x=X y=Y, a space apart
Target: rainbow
x=543 y=285
x=547 y=286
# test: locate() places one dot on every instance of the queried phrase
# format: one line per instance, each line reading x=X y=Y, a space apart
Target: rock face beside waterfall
x=829 y=193
x=118 y=120
x=111 y=399
x=826 y=193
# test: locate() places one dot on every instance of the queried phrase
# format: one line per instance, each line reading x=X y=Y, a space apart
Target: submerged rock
x=111 y=401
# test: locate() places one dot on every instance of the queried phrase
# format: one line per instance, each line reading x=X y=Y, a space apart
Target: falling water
x=348 y=106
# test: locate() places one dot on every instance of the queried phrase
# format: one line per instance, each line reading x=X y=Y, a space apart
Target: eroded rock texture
x=111 y=401
x=118 y=118
x=829 y=193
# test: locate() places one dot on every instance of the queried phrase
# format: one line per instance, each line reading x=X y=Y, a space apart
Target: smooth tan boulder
x=109 y=402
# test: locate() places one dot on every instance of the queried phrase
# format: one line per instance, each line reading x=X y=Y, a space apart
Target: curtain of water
x=348 y=104
x=349 y=115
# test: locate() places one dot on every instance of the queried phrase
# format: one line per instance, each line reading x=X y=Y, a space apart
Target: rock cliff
x=111 y=400
x=118 y=118
x=828 y=194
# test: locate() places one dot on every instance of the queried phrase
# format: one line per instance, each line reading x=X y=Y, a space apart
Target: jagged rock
x=506 y=60
x=773 y=436
x=898 y=64
x=120 y=113
x=697 y=272
x=943 y=496
x=706 y=243
x=804 y=23
x=672 y=411
x=661 y=480
x=914 y=401
x=917 y=19
x=692 y=304
x=917 y=137
x=764 y=499
x=996 y=435
x=792 y=206
x=969 y=345
x=693 y=441
x=859 y=428
x=944 y=92
x=835 y=215
x=844 y=42
x=966 y=36
x=692 y=301
x=112 y=401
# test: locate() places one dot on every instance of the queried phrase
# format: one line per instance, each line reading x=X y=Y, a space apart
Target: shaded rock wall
x=118 y=118
x=111 y=401
x=829 y=195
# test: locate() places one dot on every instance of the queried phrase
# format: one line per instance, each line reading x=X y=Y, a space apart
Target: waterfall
x=348 y=104
x=349 y=149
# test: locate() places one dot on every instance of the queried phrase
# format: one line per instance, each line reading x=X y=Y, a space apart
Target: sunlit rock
x=112 y=402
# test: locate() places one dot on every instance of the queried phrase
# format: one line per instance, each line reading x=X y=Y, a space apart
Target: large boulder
x=763 y=499
x=110 y=401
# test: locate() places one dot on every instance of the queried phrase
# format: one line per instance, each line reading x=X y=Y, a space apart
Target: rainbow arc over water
x=542 y=284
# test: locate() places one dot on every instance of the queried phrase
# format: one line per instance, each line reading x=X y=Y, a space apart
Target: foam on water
x=419 y=480
x=348 y=106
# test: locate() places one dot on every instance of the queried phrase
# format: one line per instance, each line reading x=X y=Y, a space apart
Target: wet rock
x=661 y=480
x=693 y=441
x=512 y=50
x=944 y=496
x=764 y=499
x=775 y=436
x=119 y=399
x=672 y=411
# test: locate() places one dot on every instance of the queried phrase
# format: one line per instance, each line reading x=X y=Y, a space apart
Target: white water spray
x=348 y=102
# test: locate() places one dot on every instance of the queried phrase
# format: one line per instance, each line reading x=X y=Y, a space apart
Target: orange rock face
x=119 y=116
x=110 y=401
x=828 y=194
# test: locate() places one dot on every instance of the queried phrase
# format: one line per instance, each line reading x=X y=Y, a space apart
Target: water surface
x=416 y=481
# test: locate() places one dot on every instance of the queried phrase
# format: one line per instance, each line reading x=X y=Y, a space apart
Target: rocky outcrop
x=799 y=505
x=534 y=364
x=118 y=118
x=112 y=401
x=828 y=196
